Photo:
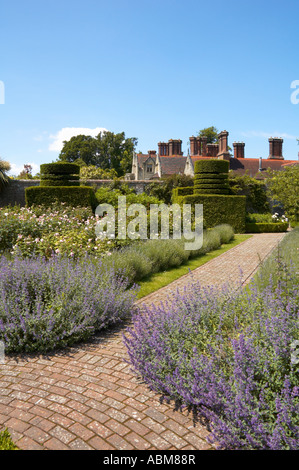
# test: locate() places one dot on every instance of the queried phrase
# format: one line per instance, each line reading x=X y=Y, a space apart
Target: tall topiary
x=60 y=174
x=211 y=177
x=60 y=183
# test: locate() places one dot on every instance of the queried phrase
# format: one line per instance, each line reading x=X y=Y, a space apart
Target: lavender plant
x=51 y=304
x=226 y=355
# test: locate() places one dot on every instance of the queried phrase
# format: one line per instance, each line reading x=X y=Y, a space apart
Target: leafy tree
x=4 y=167
x=26 y=173
x=283 y=188
x=106 y=151
x=211 y=133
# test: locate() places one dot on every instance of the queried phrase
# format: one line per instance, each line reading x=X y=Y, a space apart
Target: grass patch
x=156 y=281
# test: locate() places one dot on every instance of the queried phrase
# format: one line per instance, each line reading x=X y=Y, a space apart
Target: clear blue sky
x=155 y=69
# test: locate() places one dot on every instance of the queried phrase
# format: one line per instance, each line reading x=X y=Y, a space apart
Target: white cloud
x=267 y=135
x=68 y=132
x=16 y=169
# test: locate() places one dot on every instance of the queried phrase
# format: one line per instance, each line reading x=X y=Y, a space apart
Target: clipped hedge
x=211 y=191
x=254 y=227
x=211 y=176
x=181 y=191
x=59 y=168
x=211 y=166
x=220 y=209
x=72 y=196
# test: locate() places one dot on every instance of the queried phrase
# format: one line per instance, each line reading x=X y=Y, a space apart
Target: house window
x=149 y=168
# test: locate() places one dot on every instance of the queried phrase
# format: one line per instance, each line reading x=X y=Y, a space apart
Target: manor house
x=170 y=160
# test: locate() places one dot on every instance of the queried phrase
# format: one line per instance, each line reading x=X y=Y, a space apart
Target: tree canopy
x=106 y=151
x=211 y=133
x=4 y=167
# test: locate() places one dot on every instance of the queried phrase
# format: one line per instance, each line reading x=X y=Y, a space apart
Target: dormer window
x=149 y=168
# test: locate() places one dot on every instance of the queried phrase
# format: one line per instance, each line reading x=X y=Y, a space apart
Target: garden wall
x=14 y=193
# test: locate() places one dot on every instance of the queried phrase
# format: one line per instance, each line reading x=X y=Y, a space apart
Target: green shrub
x=72 y=196
x=181 y=191
x=225 y=231
x=260 y=227
x=254 y=190
x=220 y=209
x=211 y=166
x=211 y=191
x=211 y=176
x=59 y=168
x=6 y=442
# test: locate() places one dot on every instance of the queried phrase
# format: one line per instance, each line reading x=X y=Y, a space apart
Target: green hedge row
x=218 y=182
x=211 y=176
x=72 y=196
x=259 y=227
x=181 y=191
x=211 y=191
x=220 y=209
x=59 y=168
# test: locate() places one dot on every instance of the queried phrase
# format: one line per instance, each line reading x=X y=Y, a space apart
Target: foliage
x=52 y=302
x=71 y=195
x=106 y=151
x=163 y=189
x=283 y=259
x=6 y=442
x=110 y=194
x=262 y=227
x=92 y=172
x=254 y=190
x=211 y=166
x=283 y=189
x=4 y=167
x=211 y=133
x=225 y=354
x=60 y=230
x=220 y=209
x=46 y=305
x=59 y=168
x=211 y=177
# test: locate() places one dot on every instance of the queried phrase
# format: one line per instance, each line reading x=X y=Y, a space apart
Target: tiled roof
x=250 y=166
x=173 y=165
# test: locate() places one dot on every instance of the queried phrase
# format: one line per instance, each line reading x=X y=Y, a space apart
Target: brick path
x=88 y=398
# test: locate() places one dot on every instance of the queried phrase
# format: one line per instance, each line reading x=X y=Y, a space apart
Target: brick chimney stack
x=223 y=146
x=163 y=149
x=239 y=149
x=275 y=148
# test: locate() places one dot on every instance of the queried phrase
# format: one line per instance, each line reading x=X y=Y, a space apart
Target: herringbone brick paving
x=88 y=398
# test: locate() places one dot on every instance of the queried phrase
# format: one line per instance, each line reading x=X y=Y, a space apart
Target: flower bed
x=227 y=357
x=52 y=304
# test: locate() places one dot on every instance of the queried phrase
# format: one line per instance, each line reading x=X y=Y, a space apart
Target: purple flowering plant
x=48 y=304
x=225 y=354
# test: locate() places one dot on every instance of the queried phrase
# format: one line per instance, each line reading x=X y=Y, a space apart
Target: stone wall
x=14 y=193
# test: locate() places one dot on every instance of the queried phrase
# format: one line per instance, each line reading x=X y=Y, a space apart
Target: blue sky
x=155 y=69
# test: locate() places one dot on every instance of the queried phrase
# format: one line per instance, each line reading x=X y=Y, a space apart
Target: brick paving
x=87 y=398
